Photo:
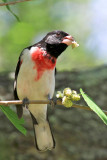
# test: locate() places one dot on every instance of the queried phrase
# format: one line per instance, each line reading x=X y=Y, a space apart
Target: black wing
x=19 y=108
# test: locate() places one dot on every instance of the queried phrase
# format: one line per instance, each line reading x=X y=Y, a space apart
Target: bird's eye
x=58 y=34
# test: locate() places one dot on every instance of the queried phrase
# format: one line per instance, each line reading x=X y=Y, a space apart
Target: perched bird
x=35 y=80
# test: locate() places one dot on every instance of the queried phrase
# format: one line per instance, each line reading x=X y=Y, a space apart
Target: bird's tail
x=44 y=139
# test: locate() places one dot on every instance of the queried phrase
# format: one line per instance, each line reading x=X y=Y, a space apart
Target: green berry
x=67 y=92
x=67 y=102
x=74 y=92
x=75 y=97
x=59 y=94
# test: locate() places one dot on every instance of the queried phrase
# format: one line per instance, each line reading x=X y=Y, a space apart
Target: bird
x=35 y=80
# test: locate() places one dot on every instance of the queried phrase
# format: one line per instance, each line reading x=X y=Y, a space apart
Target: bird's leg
x=25 y=102
x=52 y=102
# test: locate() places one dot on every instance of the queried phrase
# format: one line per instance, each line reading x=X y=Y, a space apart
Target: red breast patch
x=43 y=61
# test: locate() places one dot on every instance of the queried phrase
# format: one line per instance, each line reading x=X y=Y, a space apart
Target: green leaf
x=94 y=106
x=8 y=7
x=12 y=116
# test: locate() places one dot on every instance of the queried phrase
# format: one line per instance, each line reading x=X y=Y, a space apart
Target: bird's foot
x=52 y=101
x=25 y=102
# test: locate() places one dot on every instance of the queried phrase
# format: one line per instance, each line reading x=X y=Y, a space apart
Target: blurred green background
x=78 y=17
x=79 y=134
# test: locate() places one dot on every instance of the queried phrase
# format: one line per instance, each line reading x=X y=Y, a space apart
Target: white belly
x=33 y=89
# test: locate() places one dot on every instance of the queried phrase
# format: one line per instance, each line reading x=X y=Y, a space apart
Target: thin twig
x=58 y=102
x=13 y=2
x=86 y=108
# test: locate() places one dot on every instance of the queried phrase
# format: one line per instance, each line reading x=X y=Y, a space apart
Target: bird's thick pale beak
x=68 y=40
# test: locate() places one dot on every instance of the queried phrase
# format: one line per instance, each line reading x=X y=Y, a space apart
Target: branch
x=58 y=102
x=13 y=3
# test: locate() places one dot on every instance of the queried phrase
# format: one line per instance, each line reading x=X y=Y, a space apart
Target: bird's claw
x=52 y=101
x=25 y=102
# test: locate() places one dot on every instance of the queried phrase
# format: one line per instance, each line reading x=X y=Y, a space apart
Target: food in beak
x=69 y=40
x=74 y=44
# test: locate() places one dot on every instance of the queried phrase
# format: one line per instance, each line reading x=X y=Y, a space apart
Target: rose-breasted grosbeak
x=35 y=80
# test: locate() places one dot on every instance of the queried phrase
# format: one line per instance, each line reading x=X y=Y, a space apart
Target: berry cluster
x=68 y=96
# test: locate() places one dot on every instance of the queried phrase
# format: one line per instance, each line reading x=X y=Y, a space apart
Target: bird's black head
x=56 y=42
